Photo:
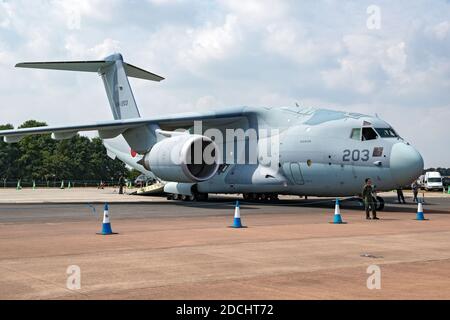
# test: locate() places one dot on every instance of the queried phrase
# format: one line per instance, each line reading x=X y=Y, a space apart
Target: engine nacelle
x=178 y=159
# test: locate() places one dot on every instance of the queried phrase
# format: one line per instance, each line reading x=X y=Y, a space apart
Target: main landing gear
x=263 y=197
x=194 y=197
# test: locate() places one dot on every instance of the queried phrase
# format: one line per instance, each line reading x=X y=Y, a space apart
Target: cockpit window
x=356 y=134
x=387 y=132
x=369 y=134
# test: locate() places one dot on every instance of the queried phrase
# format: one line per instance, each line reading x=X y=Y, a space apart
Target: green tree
x=133 y=174
x=8 y=156
x=42 y=158
x=108 y=168
x=33 y=150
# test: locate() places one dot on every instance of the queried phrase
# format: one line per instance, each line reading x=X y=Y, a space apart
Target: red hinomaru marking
x=133 y=153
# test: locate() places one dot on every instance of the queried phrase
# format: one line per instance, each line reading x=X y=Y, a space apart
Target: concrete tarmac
x=182 y=250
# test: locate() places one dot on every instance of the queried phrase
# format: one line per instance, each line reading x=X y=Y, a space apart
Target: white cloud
x=101 y=10
x=212 y=42
x=256 y=13
x=352 y=75
x=291 y=41
x=180 y=48
x=77 y=49
x=164 y=2
x=394 y=62
x=5 y=15
x=441 y=31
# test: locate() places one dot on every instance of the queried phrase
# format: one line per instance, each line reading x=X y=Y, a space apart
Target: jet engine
x=183 y=158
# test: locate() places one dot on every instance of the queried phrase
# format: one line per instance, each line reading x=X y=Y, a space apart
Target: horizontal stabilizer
x=91 y=66
x=83 y=66
x=135 y=72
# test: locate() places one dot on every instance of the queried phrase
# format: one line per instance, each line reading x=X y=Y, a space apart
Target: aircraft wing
x=112 y=129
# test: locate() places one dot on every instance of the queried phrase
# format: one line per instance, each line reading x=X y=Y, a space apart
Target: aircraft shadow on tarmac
x=349 y=204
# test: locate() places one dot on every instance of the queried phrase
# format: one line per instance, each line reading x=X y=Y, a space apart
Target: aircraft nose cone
x=406 y=164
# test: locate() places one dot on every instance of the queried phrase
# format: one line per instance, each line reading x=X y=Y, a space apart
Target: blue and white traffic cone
x=237 y=217
x=420 y=216
x=106 y=226
x=337 y=214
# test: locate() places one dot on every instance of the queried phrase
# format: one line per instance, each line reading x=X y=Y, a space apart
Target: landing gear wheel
x=201 y=197
x=380 y=204
x=176 y=197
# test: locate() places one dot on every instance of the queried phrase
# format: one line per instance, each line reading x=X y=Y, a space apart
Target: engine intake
x=183 y=158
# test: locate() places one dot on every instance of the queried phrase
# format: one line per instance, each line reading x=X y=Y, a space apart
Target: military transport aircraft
x=296 y=150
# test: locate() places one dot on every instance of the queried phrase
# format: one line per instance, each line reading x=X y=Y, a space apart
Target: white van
x=433 y=181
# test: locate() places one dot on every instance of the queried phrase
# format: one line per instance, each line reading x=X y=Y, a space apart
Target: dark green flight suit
x=369 y=202
x=121 y=184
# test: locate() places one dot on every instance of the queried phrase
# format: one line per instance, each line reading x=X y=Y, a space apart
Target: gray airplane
x=309 y=152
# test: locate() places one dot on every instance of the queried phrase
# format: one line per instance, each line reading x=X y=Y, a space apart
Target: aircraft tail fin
x=114 y=72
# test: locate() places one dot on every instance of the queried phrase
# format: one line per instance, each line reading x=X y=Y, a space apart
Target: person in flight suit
x=121 y=184
x=400 y=196
x=369 y=201
x=415 y=187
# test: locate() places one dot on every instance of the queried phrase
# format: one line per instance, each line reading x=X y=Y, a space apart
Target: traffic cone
x=106 y=226
x=237 y=217
x=420 y=216
x=337 y=214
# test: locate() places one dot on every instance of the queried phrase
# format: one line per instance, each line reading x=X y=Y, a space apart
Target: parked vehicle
x=432 y=181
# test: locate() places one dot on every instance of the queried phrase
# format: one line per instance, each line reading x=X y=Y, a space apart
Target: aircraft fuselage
x=321 y=152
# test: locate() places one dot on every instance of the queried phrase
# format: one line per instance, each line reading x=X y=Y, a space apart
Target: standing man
x=121 y=184
x=368 y=198
x=415 y=187
x=400 y=196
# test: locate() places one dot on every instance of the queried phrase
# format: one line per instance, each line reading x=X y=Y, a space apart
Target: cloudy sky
x=214 y=54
